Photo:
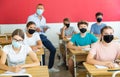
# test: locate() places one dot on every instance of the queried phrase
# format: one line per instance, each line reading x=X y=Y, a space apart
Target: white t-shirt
x=14 y=58
x=31 y=41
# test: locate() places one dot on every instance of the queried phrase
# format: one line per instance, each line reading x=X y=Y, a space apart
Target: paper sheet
x=20 y=72
x=101 y=67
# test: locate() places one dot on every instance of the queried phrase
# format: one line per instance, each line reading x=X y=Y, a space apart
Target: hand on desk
x=109 y=64
x=15 y=68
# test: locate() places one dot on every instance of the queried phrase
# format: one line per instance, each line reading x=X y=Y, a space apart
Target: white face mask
x=39 y=11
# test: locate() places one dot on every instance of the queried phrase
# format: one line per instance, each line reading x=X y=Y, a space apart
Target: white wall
x=55 y=29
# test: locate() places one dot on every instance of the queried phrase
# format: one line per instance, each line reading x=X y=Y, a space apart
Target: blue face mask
x=39 y=11
x=16 y=44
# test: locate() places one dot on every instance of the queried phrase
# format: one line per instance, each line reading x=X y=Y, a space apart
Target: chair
x=63 y=49
x=15 y=75
x=115 y=73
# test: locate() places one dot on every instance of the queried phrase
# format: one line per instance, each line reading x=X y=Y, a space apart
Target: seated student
x=79 y=41
x=67 y=31
x=96 y=27
x=106 y=51
x=15 y=54
x=31 y=37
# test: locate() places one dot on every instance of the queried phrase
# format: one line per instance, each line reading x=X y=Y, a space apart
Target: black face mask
x=31 y=31
x=83 y=30
x=99 y=19
x=108 y=38
x=67 y=25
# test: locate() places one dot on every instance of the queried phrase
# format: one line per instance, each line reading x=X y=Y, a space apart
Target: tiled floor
x=63 y=72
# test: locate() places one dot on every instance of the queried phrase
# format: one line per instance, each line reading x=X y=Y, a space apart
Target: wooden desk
x=5 y=42
x=38 y=71
x=93 y=71
x=78 y=56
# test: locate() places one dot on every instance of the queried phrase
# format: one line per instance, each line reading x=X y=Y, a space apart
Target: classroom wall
x=55 y=29
x=17 y=11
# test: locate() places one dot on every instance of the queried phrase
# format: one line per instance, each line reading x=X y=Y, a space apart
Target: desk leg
x=89 y=75
x=41 y=60
x=74 y=59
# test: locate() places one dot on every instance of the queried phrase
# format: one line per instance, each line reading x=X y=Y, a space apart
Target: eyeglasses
x=17 y=40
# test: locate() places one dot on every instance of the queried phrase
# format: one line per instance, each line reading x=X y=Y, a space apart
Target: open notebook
x=101 y=67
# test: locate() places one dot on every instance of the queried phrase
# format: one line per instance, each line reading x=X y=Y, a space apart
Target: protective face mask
x=108 y=38
x=99 y=19
x=16 y=44
x=67 y=25
x=39 y=11
x=83 y=30
x=31 y=31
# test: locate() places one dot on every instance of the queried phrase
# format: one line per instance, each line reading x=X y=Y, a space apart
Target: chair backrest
x=15 y=75
x=115 y=73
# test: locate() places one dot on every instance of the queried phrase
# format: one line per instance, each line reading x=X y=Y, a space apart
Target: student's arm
x=34 y=58
x=63 y=32
x=38 y=46
x=71 y=46
x=5 y=67
x=91 y=60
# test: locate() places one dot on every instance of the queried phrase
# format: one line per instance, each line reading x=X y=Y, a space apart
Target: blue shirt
x=83 y=41
x=95 y=28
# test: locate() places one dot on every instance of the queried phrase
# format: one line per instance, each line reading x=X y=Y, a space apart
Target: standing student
x=80 y=41
x=40 y=22
x=96 y=27
x=106 y=51
x=15 y=54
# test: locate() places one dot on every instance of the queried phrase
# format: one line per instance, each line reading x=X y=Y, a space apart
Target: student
x=15 y=54
x=67 y=31
x=96 y=27
x=40 y=22
x=106 y=51
x=80 y=41
x=32 y=37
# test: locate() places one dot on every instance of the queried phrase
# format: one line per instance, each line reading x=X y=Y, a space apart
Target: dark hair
x=82 y=22
x=40 y=4
x=66 y=19
x=98 y=14
x=106 y=27
x=30 y=23
x=18 y=32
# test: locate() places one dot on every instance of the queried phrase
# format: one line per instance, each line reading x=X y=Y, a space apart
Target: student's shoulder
x=94 y=24
x=36 y=33
x=32 y=15
x=90 y=34
x=7 y=46
x=96 y=44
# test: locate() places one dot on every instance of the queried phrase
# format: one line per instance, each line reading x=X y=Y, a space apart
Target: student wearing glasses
x=15 y=54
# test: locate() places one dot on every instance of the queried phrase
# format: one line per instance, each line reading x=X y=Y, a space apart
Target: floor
x=63 y=72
